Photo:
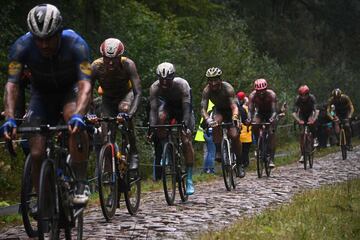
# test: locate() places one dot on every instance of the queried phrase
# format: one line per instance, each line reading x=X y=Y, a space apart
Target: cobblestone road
x=212 y=207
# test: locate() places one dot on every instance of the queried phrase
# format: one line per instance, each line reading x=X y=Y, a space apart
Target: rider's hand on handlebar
x=121 y=117
x=76 y=123
x=301 y=122
x=211 y=122
x=8 y=129
x=311 y=121
x=92 y=118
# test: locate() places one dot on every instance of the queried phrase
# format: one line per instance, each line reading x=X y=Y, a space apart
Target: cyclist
x=222 y=94
x=120 y=83
x=58 y=60
x=170 y=97
x=262 y=108
x=305 y=110
x=344 y=110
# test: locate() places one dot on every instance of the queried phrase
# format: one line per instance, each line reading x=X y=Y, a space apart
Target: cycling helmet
x=260 y=84
x=241 y=95
x=112 y=47
x=213 y=72
x=44 y=20
x=303 y=90
x=336 y=92
x=165 y=70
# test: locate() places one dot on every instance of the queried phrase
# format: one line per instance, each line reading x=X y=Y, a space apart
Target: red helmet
x=111 y=48
x=260 y=84
x=241 y=95
x=303 y=90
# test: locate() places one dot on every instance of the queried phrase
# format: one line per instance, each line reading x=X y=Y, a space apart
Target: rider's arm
x=204 y=104
x=153 y=105
x=351 y=106
x=251 y=106
x=10 y=96
x=16 y=55
x=315 y=110
x=82 y=56
x=273 y=106
x=136 y=85
x=186 y=104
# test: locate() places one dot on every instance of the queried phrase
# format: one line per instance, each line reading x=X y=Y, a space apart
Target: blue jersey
x=57 y=74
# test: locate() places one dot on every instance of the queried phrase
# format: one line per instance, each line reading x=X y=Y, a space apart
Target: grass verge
x=330 y=212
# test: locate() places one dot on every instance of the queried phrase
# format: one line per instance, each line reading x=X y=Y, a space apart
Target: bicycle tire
x=28 y=196
x=311 y=160
x=305 y=151
x=169 y=173
x=259 y=158
x=225 y=164
x=343 y=144
x=133 y=192
x=234 y=180
x=48 y=221
x=108 y=181
x=181 y=178
x=266 y=159
x=78 y=226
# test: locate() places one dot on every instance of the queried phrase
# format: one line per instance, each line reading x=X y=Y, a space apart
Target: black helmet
x=336 y=93
x=44 y=20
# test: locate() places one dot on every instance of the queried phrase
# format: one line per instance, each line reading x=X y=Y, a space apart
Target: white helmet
x=44 y=20
x=213 y=72
x=112 y=47
x=165 y=70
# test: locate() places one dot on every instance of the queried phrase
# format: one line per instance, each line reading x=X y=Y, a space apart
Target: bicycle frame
x=64 y=178
x=263 y=148
x=173 y=143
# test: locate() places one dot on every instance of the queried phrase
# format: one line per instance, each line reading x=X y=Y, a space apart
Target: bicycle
x=342 y=138
x=228 y=159
x=172 y=163
x=307 y=146
x=262 y=150
x=114 y=177
x=56 y=188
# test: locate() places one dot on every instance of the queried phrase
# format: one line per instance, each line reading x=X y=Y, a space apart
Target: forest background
x=288 y=42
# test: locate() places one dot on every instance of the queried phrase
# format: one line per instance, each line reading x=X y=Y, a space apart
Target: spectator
x=209 y=146
x=246 y=133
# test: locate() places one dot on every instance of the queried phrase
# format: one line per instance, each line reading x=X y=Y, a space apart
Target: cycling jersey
x=343 y=107
x=115 y=84
x=264 y=104
x=57 y=74
x=305 y=107
x=176 y=101
x=224 y=99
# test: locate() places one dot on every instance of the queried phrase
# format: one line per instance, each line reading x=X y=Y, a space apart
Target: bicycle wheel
x=226 y=164
x=266 y=157
x=168 y=173
x=259 y=158
x=234 y=180
x=74 y=229
x=181 y=178
x=343 y=144
x=29 y=200
x=305 y=152
x=107 y=181
x=133 y=191
x=49 y=216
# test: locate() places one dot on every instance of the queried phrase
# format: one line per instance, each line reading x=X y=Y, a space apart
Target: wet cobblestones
x=212 y=207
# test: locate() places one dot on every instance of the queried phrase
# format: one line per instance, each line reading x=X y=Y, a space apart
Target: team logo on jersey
x=85 y=68
x=14 y=68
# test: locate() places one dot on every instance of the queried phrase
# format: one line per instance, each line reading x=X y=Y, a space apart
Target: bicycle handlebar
x=42 y=129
